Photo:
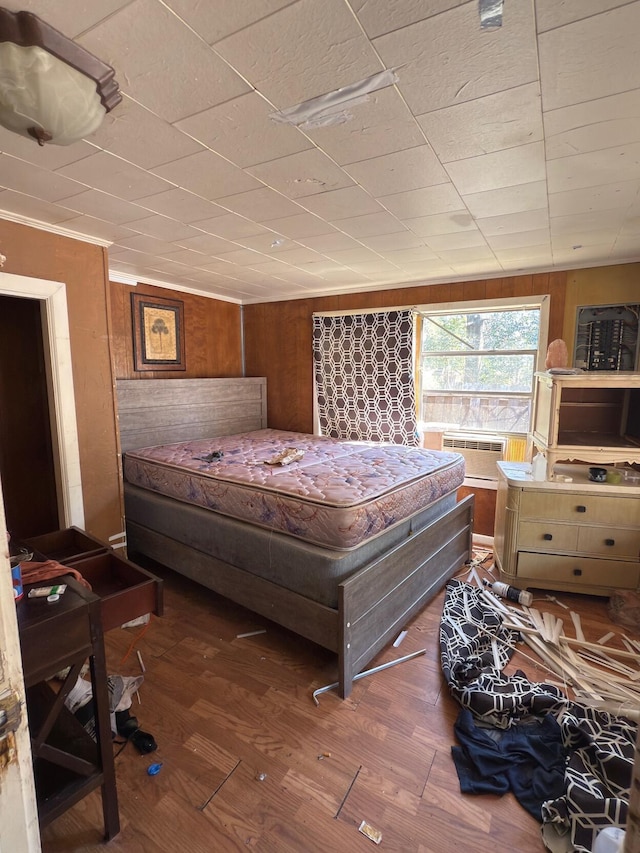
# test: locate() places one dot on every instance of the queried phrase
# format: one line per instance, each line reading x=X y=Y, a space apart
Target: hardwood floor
x=250 y=762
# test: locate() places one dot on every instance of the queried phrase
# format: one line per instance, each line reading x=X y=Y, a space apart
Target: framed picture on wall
x=158 y=333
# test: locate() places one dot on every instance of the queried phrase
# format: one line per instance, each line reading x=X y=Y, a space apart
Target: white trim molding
x=64 y=428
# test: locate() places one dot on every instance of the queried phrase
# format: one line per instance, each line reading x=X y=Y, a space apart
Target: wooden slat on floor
x=249 y=761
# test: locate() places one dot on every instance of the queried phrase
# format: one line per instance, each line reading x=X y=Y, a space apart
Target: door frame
x=64 y=429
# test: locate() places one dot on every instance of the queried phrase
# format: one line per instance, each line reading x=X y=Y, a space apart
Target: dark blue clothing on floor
x=529 y=759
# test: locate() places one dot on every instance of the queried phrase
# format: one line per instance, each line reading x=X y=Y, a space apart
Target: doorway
x=40 y=305
x=26 y=450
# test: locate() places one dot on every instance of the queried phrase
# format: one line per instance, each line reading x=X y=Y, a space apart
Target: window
x=477 y=365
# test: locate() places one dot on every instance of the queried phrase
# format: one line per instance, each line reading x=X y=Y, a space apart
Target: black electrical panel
x=607 y=337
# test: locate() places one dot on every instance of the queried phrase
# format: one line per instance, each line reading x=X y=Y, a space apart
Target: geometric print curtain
x=364 y=372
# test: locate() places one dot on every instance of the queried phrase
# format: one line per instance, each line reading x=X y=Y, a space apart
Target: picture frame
x=158 y=333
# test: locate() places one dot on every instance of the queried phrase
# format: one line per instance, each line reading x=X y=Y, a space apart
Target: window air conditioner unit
x=481 y=452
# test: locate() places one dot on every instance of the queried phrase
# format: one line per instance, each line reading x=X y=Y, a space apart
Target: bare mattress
x=338 y=494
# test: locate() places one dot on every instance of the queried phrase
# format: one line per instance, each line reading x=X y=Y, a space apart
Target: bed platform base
x=374 y=603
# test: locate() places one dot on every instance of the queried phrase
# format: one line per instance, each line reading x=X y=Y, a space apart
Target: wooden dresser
x=566 y=534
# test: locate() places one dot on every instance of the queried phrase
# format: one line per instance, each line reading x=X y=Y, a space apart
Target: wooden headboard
x=163 y=411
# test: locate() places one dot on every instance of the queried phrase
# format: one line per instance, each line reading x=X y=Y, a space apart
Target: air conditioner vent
x=480 y=453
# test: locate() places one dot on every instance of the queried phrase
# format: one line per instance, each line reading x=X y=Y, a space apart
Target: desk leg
x=98 y=668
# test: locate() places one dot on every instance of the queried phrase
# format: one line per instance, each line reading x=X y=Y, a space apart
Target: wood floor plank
x=249 y=761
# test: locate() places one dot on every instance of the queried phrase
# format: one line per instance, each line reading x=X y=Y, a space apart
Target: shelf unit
x=591 y=417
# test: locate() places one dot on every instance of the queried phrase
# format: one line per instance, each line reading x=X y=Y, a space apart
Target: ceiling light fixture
x=51 y=89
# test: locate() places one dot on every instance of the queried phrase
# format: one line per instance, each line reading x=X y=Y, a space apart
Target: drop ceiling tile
x=457 y=257
x=128 y=129
x=208 y=175
x=370 y=225
x=420 y=270
x=93 y=227
x=302 y=174
x=408 y=256
x=593 y=125
x=189 y=257
x=231 y=226
x=207 y=243
x=576 y=243
x=507 y=200
x=513 y=166
x=593 y=220
x=384 y=16
x=105 y=206
x=477 y=267
x=214 y=21
x=298 y=257
x=455 y=240
x=514 y=223
x=243 y=257
x=45 y=156
x=502 y=120
x=265 y=243
x=591 y=58
x=550 y=14
x=323 y=50
x=302 y=225
x=468 y=62
x=182 y=205
x=72 y=17
x=242 y=131
x=218 y=266
x=31 y=180
x=442 y=198
x=529 y=255
x=339 y=204
x=388 y=242
x=326 y=243
x=273 y=267
x=522 y=239
x=398 y=172
x=606 y=197
x=34 y=208
x=442 y=223
x=186 y=76
x=625 y=248
x=611 y=166
x=377 y=270
x=353 y=256
x=106 y=172
x=260 y=205
x=381 y=125
x=150 y=245
x=163 y=228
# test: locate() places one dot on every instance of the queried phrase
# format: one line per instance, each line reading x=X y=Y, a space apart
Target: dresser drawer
x=580 y=508
x=609 y=542
x=126 y=590
x=546 y=536
x=581 y=571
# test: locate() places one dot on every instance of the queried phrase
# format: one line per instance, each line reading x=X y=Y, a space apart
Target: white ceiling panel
x=161 y=63
x=464 y=62
x=490 y=150
x=320 y=48
x=241 y=131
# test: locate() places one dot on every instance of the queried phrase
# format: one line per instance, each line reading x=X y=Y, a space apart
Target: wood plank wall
x=278 y=334
x=82 y=268
x=213 y=335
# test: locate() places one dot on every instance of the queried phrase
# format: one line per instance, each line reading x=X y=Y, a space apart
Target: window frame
x=477 y=306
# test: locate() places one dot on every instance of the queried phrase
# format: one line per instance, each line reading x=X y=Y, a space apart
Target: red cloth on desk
x=34 y=572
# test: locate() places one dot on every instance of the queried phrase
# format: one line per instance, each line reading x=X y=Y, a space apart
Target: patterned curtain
x=364 y=372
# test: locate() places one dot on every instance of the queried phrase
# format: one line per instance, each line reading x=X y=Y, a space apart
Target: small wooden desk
x=68 y=763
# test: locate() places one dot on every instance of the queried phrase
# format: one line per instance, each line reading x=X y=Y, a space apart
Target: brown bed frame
x=374 y=603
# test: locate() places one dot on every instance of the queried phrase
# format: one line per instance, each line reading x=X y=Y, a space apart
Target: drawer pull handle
x=547 y=537
x=577 y=572
x=610 y=542
x=581 y=508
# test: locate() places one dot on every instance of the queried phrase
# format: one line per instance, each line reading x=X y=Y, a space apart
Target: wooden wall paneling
x=41 y=254
x=473 y=290
x=212 y=330
x=484 y=508
x=275 y=350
